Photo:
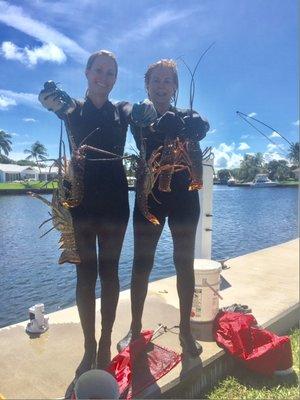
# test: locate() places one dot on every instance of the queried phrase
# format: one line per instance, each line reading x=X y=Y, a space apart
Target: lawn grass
x=27 y=185
x=289 y=183
x=244 y=384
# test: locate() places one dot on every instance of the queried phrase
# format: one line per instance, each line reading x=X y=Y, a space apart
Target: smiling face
x=101 y=75
x=161 y=85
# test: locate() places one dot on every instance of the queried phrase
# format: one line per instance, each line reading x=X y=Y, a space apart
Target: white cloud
x=47 y=52
x=6 y=102
x=245 y=136
x=273 y=155
x=15 y=17
x=14 y=134
x=11 y=52
x=252 y=114
x=226 y=157
x=226 y=148
x=152 y=23
x=275 y=152
x=29 y=120
x=274 y=134
x=30 y=57
x=296 y=123
x=243 y=146
x=29 y=99
x=271 y=147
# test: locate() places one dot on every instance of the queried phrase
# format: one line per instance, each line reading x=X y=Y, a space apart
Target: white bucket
x=206 y=296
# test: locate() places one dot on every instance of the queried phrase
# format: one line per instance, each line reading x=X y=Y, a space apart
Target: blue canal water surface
x=244 y=220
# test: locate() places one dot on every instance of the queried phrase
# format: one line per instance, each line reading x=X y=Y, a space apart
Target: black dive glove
x=195 y=127
x=169 y=124
x=143 y=114
x=56 y=100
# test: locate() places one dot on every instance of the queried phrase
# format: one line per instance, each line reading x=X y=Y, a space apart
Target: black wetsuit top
x=105 y=183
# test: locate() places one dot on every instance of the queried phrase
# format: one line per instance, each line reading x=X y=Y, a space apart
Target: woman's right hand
x=56 y=100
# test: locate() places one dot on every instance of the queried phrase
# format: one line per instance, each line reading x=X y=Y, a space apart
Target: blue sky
x=253 y=66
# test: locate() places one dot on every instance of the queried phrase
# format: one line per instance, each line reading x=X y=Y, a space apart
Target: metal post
x=204 y=229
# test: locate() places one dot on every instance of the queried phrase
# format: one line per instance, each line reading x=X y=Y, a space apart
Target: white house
x=13 y=172
x=296 y=171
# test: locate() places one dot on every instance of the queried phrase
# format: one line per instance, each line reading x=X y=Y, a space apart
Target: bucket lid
x=203 y=264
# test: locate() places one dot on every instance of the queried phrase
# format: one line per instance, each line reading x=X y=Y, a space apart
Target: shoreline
x=281 y=185
x=33 y=190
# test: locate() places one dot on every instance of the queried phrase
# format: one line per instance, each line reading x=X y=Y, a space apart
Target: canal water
x=244 y=220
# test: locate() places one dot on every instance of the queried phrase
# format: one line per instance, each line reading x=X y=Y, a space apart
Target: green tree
x=235 y=172
x=129 y=165
x=278 y=170
x=5 y=160
x=26 y=162
x=38 y=152
x=223 y=175
x=293 y=154
x=251 y=166
x=5 y=142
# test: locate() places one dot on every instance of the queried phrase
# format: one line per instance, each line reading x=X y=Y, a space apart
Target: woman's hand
x=56 y=100
x=195 y=126
x=143 y=114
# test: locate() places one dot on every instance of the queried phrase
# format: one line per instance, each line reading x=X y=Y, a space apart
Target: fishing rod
x=268 y=126
x=245 y=116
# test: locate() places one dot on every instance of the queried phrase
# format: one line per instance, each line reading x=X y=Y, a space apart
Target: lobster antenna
x=90 y=134
x=192 y=84
x=73 y=146
x=60 y=148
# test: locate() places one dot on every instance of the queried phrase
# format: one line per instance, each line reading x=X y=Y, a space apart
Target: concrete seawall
x=40 y=191
x=266 y=280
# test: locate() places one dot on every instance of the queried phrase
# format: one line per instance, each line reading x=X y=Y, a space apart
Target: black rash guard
x=105 y=183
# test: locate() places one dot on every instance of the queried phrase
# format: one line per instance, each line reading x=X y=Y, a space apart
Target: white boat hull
x=263 y=184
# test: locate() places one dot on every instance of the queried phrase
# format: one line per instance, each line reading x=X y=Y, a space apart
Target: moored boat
x=262 y=180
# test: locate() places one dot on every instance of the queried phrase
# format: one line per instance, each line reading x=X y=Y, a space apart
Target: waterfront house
x=14 y=172
x=296 y=172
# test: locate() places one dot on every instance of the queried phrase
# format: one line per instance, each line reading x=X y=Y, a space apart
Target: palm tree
x=38 y=152
x=5 y=142
x=293 y=154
